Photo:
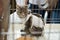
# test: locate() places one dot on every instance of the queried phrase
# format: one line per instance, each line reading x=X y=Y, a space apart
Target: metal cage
x=51 y=31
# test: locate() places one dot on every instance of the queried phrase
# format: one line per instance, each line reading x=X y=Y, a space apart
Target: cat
x=33 y=22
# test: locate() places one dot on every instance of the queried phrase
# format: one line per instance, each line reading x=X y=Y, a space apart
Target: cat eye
x=20 y=12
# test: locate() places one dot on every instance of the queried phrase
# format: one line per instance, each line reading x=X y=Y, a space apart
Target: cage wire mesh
x=51 y=32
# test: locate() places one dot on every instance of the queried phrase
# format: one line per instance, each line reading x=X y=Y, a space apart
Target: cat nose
x=23 y=14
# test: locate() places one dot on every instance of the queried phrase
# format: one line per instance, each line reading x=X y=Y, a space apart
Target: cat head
x=22 y=11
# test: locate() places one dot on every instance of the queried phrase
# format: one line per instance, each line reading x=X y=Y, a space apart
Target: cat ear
x=18 y=7
x=26 y=6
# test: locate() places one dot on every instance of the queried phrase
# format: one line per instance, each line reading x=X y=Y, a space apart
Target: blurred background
x=52 y=26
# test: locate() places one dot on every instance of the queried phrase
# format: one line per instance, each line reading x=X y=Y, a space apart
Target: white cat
x=34 y=23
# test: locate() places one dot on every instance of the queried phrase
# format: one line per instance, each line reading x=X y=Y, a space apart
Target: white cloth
x=39 y=3
x=20 y=2
x=33 y=1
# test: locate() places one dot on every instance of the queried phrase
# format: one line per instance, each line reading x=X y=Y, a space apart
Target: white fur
x=36 y=21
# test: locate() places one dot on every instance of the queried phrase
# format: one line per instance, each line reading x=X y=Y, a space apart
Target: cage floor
x=51 y=32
